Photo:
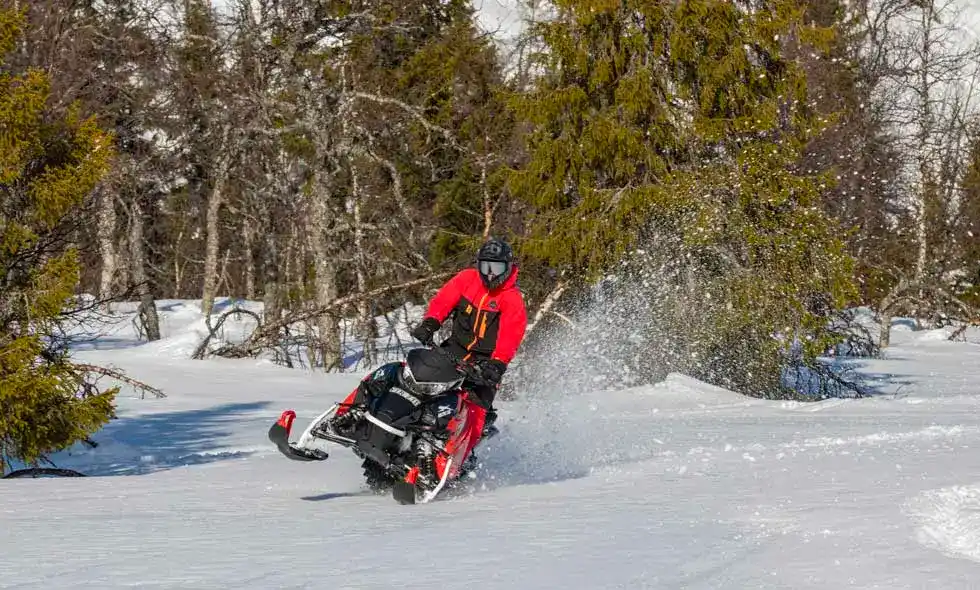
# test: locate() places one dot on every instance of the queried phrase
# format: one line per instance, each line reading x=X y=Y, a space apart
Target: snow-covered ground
x=677 y=485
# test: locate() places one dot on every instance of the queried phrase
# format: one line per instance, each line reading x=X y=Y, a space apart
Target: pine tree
x=678 y=127
x=455 y=75
x=47 y=167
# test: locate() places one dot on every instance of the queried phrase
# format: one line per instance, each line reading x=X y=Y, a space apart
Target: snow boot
x=469 y=466
x=489 y=430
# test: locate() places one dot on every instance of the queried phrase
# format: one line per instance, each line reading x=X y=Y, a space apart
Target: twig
x=418 y=116
x=266 y=336
x=546 y=306
x=114 y=374
x=201 y=349
x=565 y=317
x=309 y=314
x=959 y=331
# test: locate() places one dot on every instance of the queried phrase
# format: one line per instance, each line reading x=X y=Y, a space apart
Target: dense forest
x=744 y=171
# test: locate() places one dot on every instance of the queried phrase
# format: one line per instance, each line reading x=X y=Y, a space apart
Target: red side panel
x=467 y=434
x=477 y=418
x=347 y=403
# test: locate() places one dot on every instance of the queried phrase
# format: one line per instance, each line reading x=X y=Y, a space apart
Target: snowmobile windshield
x=426 y=372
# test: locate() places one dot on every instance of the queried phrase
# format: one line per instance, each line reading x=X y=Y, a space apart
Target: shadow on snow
x=149 y=443
x=335 y=495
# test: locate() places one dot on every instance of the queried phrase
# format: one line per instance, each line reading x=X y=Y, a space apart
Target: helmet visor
x=492 y=268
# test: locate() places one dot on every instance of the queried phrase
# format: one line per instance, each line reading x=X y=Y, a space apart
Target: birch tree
x=927 y=72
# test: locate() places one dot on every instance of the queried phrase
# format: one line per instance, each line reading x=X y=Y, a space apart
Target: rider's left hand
x=493 y=371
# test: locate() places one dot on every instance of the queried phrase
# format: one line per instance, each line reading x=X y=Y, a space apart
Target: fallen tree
x=275 y=335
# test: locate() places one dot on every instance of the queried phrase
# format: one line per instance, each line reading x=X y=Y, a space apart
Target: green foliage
x=46 y=169
x=429 y=55
x=683 y=122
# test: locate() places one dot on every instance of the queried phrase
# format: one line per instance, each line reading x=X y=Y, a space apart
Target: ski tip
x=286 y=420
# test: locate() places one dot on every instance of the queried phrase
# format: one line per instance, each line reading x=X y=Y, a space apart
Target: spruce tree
x=47 y=167
x=675 y=128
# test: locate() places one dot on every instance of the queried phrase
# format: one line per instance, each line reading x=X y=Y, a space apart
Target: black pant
x=484 y=392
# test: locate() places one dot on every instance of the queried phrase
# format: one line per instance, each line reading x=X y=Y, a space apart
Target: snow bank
x=679 y=391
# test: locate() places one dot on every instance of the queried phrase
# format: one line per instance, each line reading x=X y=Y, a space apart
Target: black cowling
x=431 y=366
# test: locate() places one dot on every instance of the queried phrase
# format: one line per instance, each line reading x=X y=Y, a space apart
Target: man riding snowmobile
x=416 y=422
x=489 y=319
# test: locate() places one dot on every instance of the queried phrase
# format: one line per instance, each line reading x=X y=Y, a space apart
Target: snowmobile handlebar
x=472 y=371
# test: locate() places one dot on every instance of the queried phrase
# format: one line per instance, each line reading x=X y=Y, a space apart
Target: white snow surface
x=676 y=485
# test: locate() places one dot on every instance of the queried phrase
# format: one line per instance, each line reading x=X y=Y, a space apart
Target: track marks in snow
x=570 y=444
x=878 y=438
x=949 y=520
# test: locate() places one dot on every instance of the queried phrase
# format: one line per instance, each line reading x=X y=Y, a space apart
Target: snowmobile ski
x=403 y=492
x=279 y=435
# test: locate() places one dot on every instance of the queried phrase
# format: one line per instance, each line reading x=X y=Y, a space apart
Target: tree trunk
x=325 y=287
x=292 y=265
x=487 y=201
x=178 y=267
x=248 y=239
x=885 y=333
x=106 y=231
x=212 y=243
x=270 y=266
x=148 y=308
x=926 y=130
x=367 y=329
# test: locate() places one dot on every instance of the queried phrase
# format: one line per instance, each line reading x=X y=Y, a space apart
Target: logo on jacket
x=493 y=304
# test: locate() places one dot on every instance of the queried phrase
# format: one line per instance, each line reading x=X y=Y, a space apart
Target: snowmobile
x=413 y=422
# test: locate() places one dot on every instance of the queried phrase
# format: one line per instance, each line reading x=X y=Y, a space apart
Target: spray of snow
x=949 y=520
x=627 y=330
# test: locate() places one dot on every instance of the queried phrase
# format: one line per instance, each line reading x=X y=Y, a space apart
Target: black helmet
x=495 y=261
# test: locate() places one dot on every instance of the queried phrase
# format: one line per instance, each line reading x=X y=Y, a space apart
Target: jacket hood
x=510 y=283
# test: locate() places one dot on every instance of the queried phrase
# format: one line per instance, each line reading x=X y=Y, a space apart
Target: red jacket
x=490 y=324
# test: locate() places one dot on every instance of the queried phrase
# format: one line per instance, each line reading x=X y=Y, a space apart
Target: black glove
x=492 y=370
x=424 y=331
